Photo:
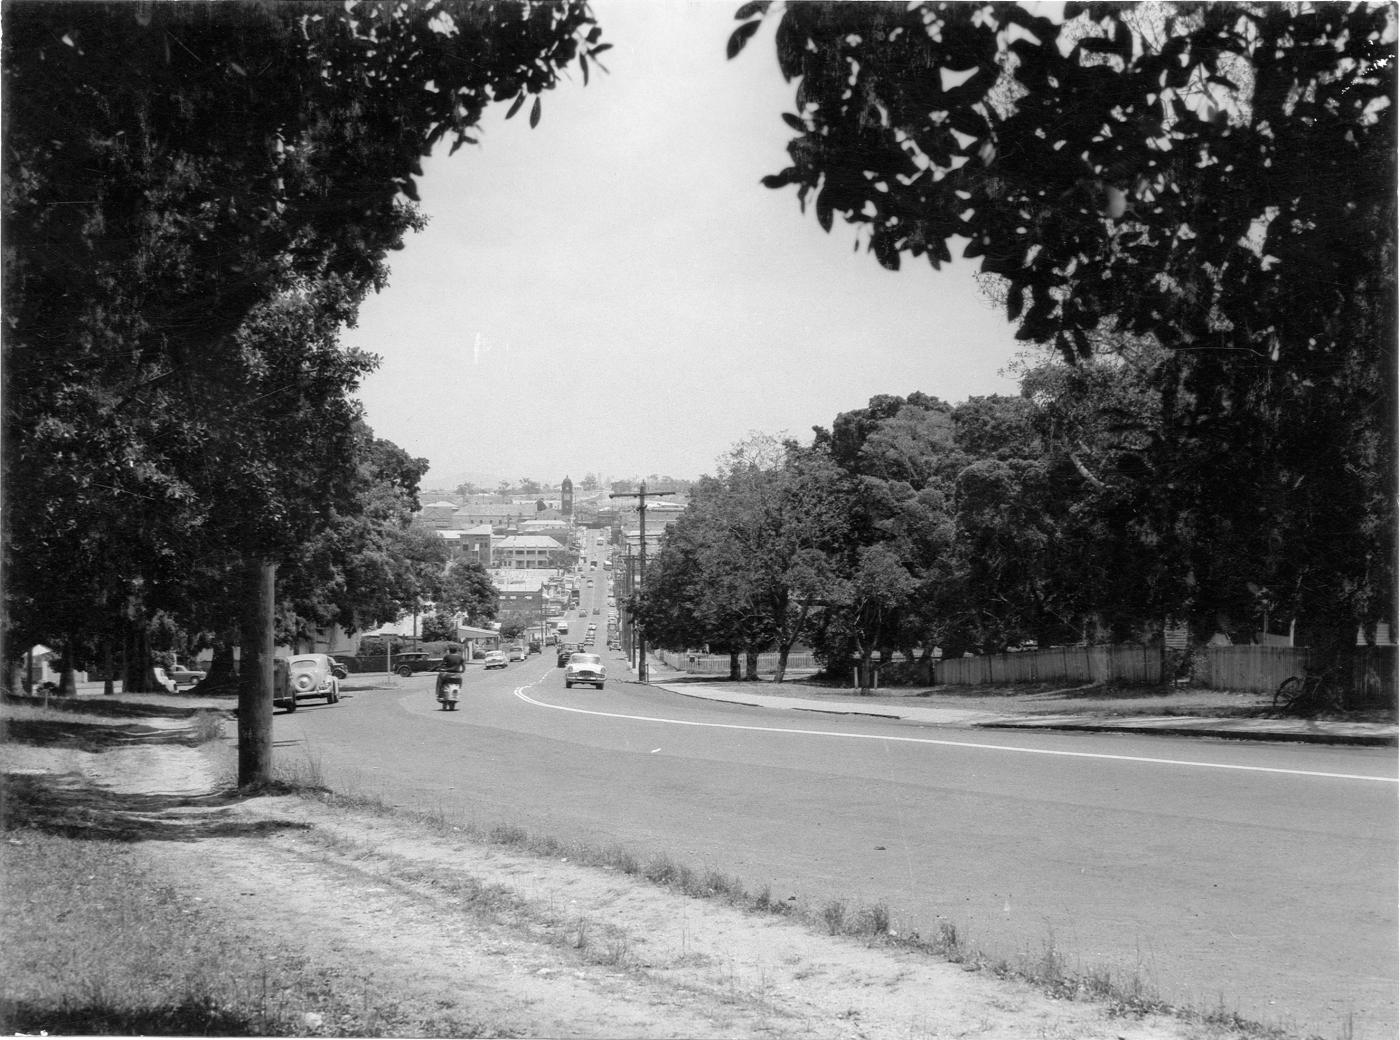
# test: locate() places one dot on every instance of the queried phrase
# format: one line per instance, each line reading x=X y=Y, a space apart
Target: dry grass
x=1044 y=698
x=93 y=945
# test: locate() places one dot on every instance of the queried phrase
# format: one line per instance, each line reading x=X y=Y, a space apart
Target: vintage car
x=566 y=650
x=585 y=668
x=411 y=661
x=304 y=677
x=183 y=676
x=495 y=659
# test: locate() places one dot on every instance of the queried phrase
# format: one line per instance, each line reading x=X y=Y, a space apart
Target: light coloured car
x=516 y=653
x=495 y=659
x=304 y=677
x=585 y=668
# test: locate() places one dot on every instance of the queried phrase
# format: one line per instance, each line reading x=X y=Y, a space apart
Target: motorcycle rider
x=453 y=665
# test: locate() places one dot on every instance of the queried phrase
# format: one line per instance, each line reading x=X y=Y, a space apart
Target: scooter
x=449 y=688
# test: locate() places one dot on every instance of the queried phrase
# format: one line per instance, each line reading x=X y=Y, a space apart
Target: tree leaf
x=739 y=38
x=515 y=105
x=794 y=122
x=752 y=8
x=535 y=114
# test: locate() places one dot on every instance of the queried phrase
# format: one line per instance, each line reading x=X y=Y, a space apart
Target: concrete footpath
x=1308 y=731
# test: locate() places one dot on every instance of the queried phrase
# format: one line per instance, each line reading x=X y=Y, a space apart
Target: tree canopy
x=198 y=197
x=1216 y=178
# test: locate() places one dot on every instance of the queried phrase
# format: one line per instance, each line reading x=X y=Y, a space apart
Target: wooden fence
x=1260 y=669
x=1129 y=662
x=718 y=664
x=1249 y=669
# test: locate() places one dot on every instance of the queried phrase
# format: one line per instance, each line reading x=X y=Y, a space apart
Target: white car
x=585 y=668
x=495 y=659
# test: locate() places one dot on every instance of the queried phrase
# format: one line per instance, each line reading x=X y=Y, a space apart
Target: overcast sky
x=615 y=292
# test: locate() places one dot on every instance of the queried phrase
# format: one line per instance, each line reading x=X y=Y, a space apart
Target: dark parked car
x=566 y=650
x=412 y=661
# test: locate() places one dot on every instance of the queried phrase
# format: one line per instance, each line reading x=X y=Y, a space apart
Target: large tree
x=467 y=589
x=169 y=169
x=1218 y=177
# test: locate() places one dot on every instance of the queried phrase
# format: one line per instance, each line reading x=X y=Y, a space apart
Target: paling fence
x=1260 y=669
x=1127 y=662
x=1248 y=669
x=718 y=664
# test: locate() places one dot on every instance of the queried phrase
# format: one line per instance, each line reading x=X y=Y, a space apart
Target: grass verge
x=1124 y=991
x=95 y=945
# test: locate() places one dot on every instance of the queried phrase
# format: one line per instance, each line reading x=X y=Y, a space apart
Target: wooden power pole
x=641 y=495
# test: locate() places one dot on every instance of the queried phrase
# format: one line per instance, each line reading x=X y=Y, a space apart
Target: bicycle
x=1307 y=695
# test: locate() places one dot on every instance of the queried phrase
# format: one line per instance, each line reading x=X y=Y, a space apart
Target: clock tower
x=566 y=497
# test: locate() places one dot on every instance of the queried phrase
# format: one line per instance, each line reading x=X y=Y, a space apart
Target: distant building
x=524 y=551
x=437 y=515
x=566 y=497
x=558 y=529
x=472 y=545
x=501 y=516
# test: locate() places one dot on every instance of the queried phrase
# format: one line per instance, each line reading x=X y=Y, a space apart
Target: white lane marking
x=522 y=695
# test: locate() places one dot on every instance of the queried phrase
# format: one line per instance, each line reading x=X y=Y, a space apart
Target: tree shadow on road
x=63 y=805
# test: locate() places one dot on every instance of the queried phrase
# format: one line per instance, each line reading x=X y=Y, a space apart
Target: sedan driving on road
x=495 y=659
x=585 y=668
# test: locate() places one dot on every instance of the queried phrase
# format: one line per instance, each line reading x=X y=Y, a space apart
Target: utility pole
x=641 y=496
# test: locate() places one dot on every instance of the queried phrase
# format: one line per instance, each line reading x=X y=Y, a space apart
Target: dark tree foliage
x=196 y=195
x=467 y=589
x=1217 y=177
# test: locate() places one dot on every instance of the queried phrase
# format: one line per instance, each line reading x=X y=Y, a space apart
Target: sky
x=615 y=292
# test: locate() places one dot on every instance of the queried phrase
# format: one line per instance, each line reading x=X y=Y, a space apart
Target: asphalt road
x=1261 y=877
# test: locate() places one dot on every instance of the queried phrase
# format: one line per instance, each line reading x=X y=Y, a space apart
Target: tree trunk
x=751 y=665
x=734 y=671
x=255 y=674
x=108 y=681
x=222 y=677
x=138 y=673
x=782 y=663
x=865 y=655
x=67 y=677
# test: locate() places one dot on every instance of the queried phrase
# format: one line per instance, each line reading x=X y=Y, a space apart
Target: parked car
x=303 y=677
x=495 y=659
x=182 y=676
x=585 y=668
x=411 y=661
x=516 y=653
